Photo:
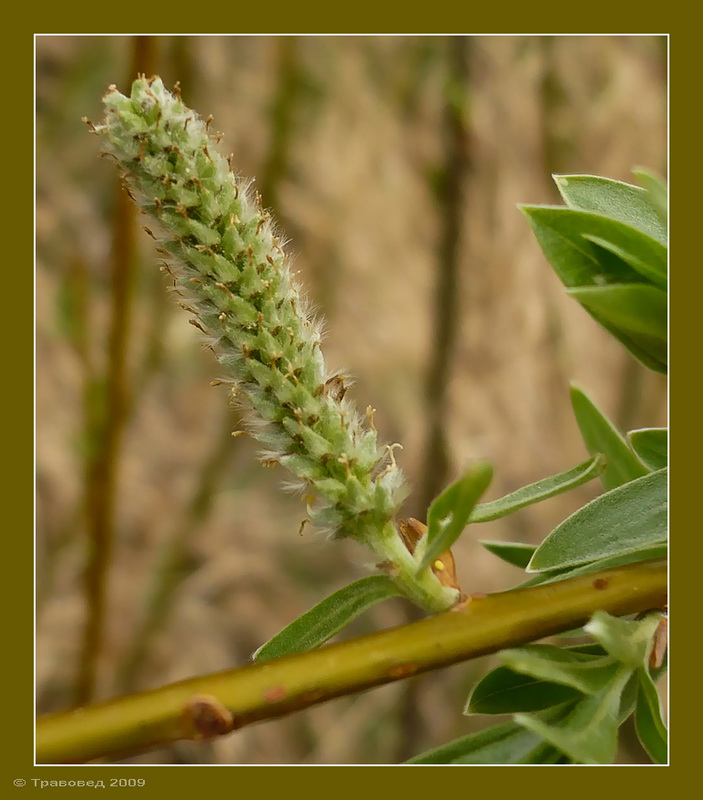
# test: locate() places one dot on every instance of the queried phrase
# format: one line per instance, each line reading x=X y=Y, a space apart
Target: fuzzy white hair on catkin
x=296 y=486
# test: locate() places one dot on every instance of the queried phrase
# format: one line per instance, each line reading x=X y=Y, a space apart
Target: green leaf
x=622 y=201
x=545 y=754
x=628 y=698
x=636 y=309
x=561 y=233
x=623 y=520
x=628 y=701
x=601 y=436
x=449 y=513
x=541 y=490
x=651 y=445
x=589 y=733
x=649 y=721
x=501 y=744
x=584 y=672
x=515 y=553
x=579 y=262
x=504 y=691
x=651 y=273
x=647 y=554
x=328 y=617
x=627 y=641
x=656 y=191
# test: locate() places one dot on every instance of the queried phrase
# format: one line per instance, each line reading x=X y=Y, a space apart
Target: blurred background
x=394 y=165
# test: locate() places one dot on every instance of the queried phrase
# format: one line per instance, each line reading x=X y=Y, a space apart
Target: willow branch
x=216 y=704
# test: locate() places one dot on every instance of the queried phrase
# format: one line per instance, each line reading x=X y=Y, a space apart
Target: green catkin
x=231 y=268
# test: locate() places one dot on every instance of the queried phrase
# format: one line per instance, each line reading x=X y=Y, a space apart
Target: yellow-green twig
x=216 y=704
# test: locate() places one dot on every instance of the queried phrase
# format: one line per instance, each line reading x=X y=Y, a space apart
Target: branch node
x=207 y=718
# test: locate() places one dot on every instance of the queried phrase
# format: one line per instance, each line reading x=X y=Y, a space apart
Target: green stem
x=422 y=588
x=215 y=704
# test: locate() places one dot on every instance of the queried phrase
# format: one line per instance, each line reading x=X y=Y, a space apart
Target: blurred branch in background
x=285 y=99
x=103 y=463
x=450 y=192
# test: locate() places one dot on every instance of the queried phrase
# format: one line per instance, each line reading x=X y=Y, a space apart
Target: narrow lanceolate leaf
x=502 y=744
x=589 y=733
x=450 y=512
x=581 y=671
x=652 y=273
x=627 y=641
x=601 y=436
x=327 y=618
x=647 y=554
x=624 y=520
x=541 y=490
x=638 y=309
x=579 y=262
x=622 y=201
x=516 y=553
x=651 y=445
x=504 y=691
x=568 y=239
x=649 y=721
x=656 y=191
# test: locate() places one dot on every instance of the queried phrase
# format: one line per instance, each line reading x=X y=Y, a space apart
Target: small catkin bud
x=230 y=265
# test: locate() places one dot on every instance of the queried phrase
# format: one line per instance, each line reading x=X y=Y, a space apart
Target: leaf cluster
x=568 y=702
x=609 y=248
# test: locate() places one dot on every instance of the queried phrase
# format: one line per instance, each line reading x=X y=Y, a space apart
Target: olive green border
x=17 y=320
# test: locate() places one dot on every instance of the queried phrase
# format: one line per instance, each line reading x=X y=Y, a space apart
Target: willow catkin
x=224 y=255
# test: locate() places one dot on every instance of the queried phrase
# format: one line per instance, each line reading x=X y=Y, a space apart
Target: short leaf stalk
x=223 y=254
